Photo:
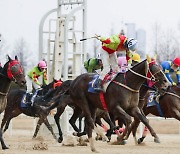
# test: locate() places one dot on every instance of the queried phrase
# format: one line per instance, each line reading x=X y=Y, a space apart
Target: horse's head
x=14 y=72
x=51 y=86
x=157 y=76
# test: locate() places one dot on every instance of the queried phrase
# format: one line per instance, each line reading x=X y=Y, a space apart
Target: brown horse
x=12 y=71
x=115 y=97
x=14 y=108
x=169 y=106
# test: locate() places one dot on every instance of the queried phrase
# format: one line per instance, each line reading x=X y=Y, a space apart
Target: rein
x=136 y=91
x=4 y=94
x=145 y=77
x=169 y=93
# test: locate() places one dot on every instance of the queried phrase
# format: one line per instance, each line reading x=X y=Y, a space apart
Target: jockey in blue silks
x=172 y=66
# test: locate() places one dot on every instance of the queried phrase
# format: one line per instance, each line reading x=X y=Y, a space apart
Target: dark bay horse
x=12 y=71
x=14 y=108
x=169 y=105
x=121 y=96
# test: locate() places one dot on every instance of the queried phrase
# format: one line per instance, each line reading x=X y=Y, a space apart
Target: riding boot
x=28 y=98
x=33 y=97
x=98 y=85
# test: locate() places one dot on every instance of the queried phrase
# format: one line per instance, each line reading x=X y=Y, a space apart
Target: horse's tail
x=56 y=101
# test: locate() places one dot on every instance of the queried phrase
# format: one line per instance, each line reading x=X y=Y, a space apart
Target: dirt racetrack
x=21 y=142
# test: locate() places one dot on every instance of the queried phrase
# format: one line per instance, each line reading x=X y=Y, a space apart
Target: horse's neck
x=175 y=89
x=4 y=83
x=135 y=81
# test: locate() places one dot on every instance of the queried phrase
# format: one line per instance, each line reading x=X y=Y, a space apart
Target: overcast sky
x=20 y=18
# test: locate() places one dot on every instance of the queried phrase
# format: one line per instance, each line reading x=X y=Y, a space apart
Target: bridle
x=10 y=75
x=151 y=78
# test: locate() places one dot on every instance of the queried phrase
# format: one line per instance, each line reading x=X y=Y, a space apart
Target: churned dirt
x=21 y=142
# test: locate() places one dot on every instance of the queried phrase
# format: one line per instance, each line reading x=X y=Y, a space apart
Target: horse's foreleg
x=2 y=141
x=137 y=114
x=107 y=118
x=40 y=121
x=7 y=124
x=76 y=114
x=176 y=113
x=7 y=118
x=46 y=122
x=89 y=130
x=133 y=129
x=119 y=112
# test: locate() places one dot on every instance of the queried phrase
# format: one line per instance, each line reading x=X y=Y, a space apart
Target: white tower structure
x=60 y=45
x=62 y=48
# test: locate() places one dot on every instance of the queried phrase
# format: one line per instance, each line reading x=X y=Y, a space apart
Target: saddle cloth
x=24 y=102
x=152 y=102
x=107 y=80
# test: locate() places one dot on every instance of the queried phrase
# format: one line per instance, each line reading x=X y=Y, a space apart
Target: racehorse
x=12 y=71
x=115 y=97
x=169 y=106
x=13 y=109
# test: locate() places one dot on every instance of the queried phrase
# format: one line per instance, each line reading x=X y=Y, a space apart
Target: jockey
x=172 y=66
x=37 y=77
x=135 y=59
x=122 y=63
x=93 y=64
x=108 y=54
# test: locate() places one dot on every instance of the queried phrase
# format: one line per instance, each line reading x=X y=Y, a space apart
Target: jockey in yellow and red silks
x=108 y=54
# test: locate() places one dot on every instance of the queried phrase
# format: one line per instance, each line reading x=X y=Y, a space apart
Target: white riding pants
x=109 y=62
x=31 y=84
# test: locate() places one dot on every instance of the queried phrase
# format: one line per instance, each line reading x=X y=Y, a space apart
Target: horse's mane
x=136 y=65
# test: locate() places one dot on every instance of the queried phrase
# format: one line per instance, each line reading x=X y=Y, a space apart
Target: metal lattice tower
x=60 y=45
x=63 y=50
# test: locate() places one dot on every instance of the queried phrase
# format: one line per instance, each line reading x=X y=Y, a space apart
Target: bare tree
x=25 y=55
x=165 y=45
x=4 y=50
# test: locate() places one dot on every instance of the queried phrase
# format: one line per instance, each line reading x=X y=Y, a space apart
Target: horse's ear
x=16 y=57
x=9 y=58
x=148 y=58
x=155 y=57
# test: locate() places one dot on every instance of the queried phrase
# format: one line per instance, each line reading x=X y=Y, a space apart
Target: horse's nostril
x=23 y=82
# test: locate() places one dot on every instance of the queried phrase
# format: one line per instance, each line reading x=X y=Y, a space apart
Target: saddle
x=28 y=99
x=106 y=81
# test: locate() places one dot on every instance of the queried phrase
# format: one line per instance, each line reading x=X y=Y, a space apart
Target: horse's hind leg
x=137 y=114
x=2 y=141
x=40 y=121
x=46 y=122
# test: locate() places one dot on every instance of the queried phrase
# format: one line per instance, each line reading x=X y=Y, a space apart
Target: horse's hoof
x=139 y=141
x=75 y=133
x=156 y=140
x=60 y=139
x=5 y=147
x=94 y=150
x=123 y=142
